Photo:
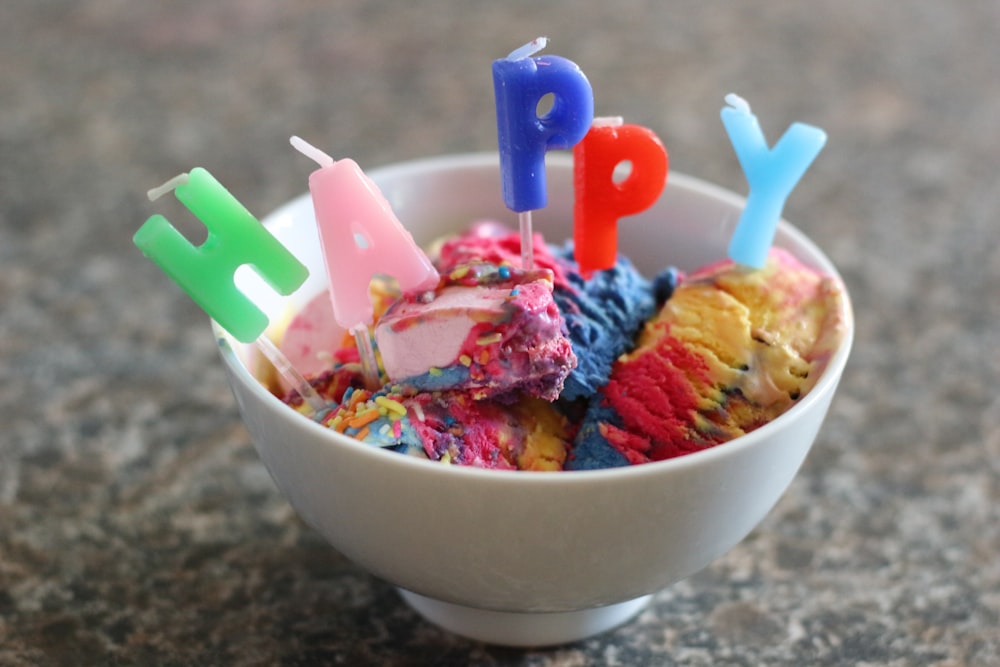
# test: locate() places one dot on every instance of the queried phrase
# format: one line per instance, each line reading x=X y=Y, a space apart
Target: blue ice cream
x=603 y=315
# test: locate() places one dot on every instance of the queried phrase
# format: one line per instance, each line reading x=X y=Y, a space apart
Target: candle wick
x=157 y=192
x=310 y=151
x=529 y=49
x=738 y=103
x=608 y=121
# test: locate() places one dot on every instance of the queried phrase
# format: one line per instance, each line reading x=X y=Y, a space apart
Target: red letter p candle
x=600 y=198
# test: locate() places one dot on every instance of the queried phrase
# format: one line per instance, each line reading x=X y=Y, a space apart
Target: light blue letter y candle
x=770 y=173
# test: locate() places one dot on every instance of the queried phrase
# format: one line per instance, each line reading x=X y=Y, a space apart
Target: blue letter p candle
x=520 y=82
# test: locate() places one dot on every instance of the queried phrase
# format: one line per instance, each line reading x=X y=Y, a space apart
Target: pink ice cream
x=489 y=330
x=314 y=343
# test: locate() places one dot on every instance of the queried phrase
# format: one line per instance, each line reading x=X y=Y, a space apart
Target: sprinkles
x=490 y=339
x=363 y=418
x=391 y=405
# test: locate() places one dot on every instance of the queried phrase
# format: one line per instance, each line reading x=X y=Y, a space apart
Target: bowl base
x=523 y=629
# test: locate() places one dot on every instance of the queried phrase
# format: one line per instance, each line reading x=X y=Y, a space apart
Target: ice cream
x=602 y=313
x=731 y=350
x=452 y=427
x=310 y=337
x=492 y=331
x=548 y=370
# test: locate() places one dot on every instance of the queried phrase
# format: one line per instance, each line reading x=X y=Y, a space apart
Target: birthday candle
x=520 y=81
x=770 y=173
x=207 y=272
x=235 y=238
x=600 y=200
x=361 y=237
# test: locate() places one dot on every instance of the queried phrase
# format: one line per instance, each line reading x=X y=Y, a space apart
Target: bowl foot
x=523 y=629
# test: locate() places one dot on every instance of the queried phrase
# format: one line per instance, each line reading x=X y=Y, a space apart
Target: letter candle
x=520 y=81
x=361 y=236
x=601 y=199
x=206 y=272
x=770 y=173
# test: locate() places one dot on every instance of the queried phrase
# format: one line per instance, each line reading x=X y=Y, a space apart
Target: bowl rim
x=825 y=385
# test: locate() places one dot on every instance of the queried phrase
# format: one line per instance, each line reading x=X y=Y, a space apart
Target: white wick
x=156 y=193
x=738 y=103
x=529 y=49
x=608 y=121
x=310 y=151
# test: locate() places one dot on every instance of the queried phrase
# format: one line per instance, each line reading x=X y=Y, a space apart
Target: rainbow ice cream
x=731 y=350
x=490 y=330
x=602 y=314
x=547 y=370
x=452 y=427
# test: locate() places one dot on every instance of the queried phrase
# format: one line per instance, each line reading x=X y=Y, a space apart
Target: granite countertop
x=138 y=526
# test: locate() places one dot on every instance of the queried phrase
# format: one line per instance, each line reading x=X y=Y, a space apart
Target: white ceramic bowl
x=523 y=558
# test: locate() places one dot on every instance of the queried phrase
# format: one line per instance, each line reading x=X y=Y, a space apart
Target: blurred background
x=137 y=525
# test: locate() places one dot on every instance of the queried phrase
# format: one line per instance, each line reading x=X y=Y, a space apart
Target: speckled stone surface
x=137 y=525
